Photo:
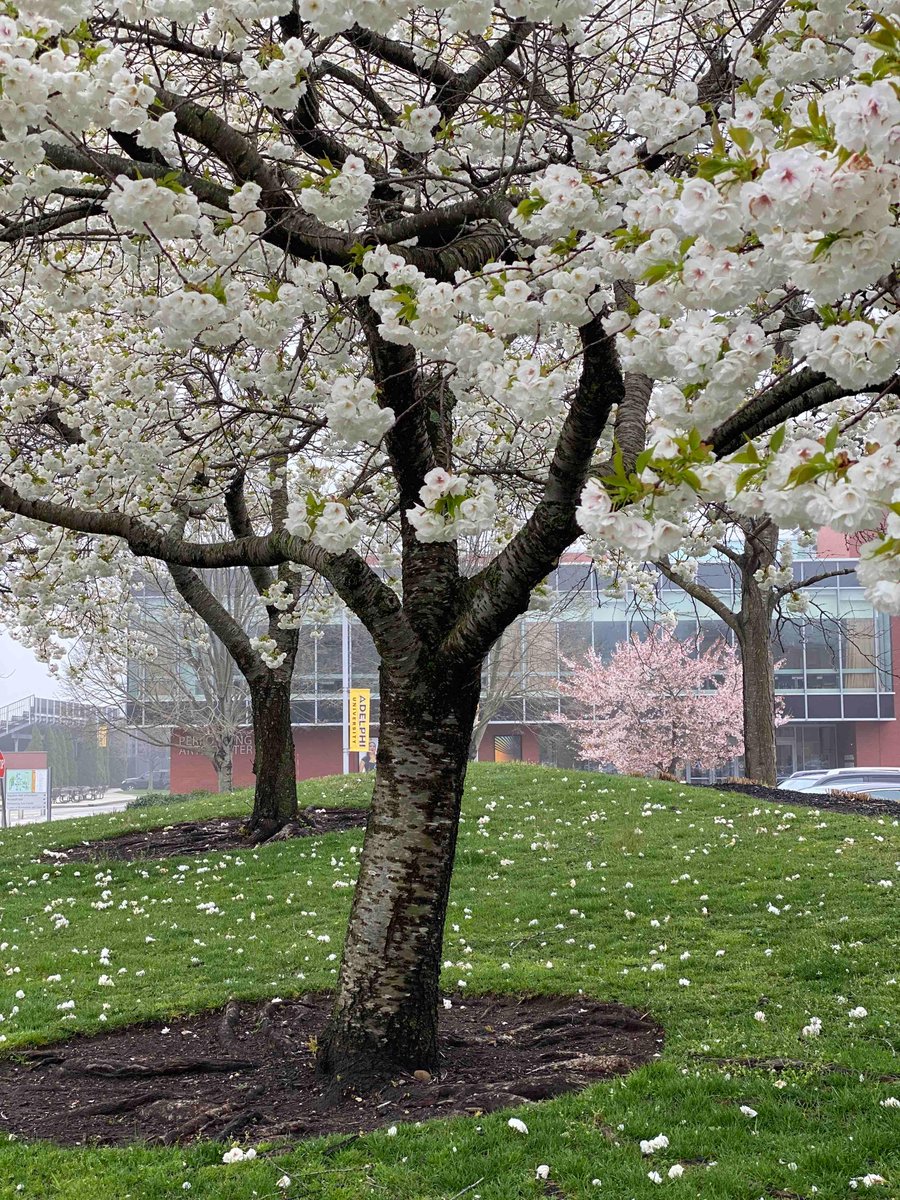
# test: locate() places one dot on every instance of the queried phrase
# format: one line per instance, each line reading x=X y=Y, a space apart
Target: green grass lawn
x=706 y=910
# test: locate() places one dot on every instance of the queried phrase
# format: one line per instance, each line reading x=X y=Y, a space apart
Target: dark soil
x=826 y=800
x=247 y=1072
x=212 y=836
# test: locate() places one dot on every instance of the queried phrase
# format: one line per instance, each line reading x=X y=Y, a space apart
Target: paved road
x=114 y=801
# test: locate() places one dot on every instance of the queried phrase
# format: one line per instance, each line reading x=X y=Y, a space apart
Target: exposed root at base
x=248 y=1071
x=214 y=836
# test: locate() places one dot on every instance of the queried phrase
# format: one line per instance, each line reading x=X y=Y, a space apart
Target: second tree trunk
x=275 y=797
x=759 y=695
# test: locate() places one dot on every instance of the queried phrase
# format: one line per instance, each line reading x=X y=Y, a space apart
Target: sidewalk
x=113 y=801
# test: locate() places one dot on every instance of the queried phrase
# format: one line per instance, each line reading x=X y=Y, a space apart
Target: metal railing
x=40 y=710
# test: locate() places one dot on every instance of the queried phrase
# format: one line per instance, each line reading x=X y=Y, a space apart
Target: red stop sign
x=2 y=764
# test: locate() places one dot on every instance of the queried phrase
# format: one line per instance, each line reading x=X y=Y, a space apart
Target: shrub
x=154 y=799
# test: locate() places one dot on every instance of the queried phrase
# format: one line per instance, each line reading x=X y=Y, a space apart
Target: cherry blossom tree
x=234 y=630
x=762 y=568
x=658 y=705
x=393 y=275
x=169 y=670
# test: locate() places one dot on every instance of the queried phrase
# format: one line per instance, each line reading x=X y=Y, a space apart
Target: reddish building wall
x=317 y=752
x=25 y=760
x=530 y=751
x=878 y=744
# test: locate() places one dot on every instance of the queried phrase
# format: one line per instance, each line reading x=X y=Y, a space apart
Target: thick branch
x=233 y=637
x=781 y=592
x=444 y=223
x=802 y=392
x=93 y=162
x=500 y=592
x=50 y=221
x=699 y=592
x=453 y=93
x=350 y=576
x=242 y=527
x=398 y=55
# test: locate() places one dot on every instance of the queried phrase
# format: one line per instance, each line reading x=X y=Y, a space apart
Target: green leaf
x=171 y=181
x=659 y=271
x=742 y=138
x=745 y=478
x=643 y=460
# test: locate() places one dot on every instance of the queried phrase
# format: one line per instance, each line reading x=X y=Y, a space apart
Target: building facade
x=82 y=744
x=834 y=673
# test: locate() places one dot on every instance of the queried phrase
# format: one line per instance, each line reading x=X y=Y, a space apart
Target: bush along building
x=834 y=674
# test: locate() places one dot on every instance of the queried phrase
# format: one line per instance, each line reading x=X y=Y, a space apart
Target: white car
x=854 y=779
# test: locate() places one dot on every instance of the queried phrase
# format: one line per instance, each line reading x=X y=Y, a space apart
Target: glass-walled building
x=834 y=673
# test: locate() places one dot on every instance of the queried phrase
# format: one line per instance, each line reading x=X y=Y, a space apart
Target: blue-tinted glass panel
x=823 y=706
x=860 y=707
x=576 y=575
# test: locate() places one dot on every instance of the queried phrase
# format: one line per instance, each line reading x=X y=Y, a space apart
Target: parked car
x=137 y=783
x=891 y=794
x=803 y=774
x=140 y=783
x=843 y=779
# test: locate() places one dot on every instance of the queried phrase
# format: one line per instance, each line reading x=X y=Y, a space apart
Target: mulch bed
x=825 y=800
x=247 y=1072
x=201 y=837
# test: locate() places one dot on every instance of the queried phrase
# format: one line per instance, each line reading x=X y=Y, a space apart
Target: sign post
x=346 y=673
x=27 y=791
x=3 y=785
x=360 y=708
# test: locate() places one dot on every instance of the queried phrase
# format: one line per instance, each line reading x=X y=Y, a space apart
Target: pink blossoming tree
x=657 y=705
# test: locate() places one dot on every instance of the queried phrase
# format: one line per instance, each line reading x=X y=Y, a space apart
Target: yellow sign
x=360 y=706
x=102 y=735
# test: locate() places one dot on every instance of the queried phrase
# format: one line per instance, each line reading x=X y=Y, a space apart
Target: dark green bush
x=154 y=799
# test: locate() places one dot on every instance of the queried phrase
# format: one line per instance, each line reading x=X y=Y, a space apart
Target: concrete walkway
x=113 y=801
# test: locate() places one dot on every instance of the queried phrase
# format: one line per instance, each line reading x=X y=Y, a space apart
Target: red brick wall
x=530 y=752
x=25 y=760
x=317 y=752
x=878 y=744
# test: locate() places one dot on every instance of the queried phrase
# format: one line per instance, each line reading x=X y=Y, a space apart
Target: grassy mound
x=734 y=924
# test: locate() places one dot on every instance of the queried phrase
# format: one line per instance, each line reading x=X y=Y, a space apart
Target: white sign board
x=27 y=795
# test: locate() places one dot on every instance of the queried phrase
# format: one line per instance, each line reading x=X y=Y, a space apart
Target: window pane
x=329 y=663
x=858 y=651
x=574 y=639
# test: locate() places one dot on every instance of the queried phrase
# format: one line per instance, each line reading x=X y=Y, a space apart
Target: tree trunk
x=220 y=755
x=385 y=1013
x=275 y=798
x=758 y=671
x=225 y=775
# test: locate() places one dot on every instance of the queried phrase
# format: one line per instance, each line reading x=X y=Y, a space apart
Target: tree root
x=112 y=1107
x=228 y=1024
x=269 y=829
x=177 y=1066
x=40 y=1058
x=238 y=1112
x=286 y=832
x=241 y=1121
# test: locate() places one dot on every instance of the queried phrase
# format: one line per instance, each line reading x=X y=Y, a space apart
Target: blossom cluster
x=451 y=508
